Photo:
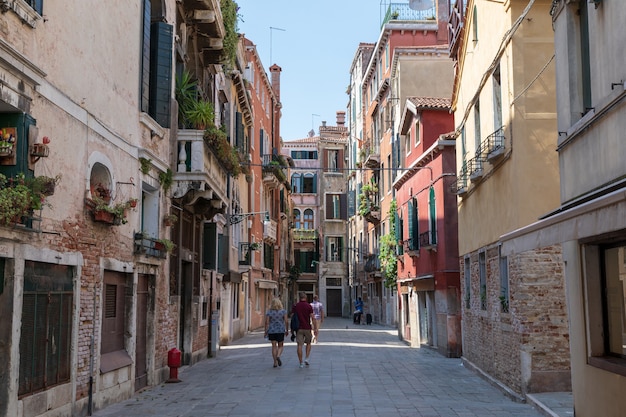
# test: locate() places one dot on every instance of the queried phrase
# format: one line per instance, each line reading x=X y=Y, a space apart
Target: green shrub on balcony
x=217 y=140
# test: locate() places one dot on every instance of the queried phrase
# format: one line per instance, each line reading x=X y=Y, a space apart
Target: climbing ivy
x=387 y=247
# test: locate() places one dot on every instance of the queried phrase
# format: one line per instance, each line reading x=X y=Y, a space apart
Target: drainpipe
x=91 y=356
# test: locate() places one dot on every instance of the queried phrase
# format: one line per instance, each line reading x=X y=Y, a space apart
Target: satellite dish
x=421 y=4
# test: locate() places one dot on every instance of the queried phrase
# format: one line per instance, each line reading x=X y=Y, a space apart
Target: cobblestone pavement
x=355 y=371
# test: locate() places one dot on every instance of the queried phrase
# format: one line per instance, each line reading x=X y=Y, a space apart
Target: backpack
x=295 y=323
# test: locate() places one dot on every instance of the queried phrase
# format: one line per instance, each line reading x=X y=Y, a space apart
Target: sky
x=314 y=42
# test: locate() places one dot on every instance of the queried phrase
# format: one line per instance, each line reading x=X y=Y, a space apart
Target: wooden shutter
x=161 y=36
x=209 y=246
x=145 y=59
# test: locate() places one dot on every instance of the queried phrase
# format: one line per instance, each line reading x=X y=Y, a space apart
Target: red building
x=426 y=224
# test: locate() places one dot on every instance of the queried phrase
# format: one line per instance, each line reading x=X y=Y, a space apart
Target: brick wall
x=527 y=349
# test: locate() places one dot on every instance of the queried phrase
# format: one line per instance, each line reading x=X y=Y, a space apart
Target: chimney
x=324 y=123
x=341 y=118
x=275 y=70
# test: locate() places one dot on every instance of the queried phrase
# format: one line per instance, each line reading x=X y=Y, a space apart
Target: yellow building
x=514 y=310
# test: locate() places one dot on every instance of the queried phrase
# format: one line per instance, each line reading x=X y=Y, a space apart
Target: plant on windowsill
x=145 y=165
x=21 y=196
x=255 y=246
x=164 y=245
x=104 y=212
x=170 y=220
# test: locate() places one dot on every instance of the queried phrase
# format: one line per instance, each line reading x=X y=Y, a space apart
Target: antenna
x=272 y=29
x=312 y=123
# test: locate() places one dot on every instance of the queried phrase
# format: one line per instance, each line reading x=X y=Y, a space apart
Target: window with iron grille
x=482 y=269
x=46 y=331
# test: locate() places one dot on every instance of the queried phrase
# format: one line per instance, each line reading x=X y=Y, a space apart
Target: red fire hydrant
x=173 y=361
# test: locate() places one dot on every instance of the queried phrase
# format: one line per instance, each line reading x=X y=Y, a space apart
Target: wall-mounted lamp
x=238 y=218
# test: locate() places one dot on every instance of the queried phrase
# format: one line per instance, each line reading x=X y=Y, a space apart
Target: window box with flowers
x=105 y=212
x=21 y=196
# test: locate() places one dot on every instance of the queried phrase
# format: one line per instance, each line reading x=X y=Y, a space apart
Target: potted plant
x=132 y=203
x=164 y=245
x=166 y=179
x=170 y=219
x=104 y=212
x=186 y=92
x=200 y=114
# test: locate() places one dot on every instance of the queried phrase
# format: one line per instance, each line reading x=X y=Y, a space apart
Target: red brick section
x=533 y=338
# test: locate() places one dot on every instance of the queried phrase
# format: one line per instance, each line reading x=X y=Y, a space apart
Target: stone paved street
x=355 y=371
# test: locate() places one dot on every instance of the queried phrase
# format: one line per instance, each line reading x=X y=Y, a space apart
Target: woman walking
x=276 y=328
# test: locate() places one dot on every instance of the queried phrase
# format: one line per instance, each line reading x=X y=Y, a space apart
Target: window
x=497 y=99
x=296 y=219
x=432 y=216
x=605 y=273
x=308 y=183
x=304 y=260
x=336 y=206
x=333 y=160
x=482 y=269
x=46 y=331
x=475 y=25
x=413 y=230
x=334 y=249
x=504 y=282
x=156 y=63
x=235 y=302
x=304 y=154
x=296 y=180
x=417 y=133
x=37 y=5
x=585 y=59
x=308 y=219
x=467 y=278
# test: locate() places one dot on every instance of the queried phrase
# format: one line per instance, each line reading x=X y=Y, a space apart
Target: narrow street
x=360 y=371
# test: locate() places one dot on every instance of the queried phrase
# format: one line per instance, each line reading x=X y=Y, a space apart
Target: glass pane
x=615 y=295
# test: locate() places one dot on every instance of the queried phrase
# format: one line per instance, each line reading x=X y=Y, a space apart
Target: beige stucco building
x=514 y=311
x=589 y=223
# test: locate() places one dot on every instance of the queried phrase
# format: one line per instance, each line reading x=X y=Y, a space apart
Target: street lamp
x=238 y=218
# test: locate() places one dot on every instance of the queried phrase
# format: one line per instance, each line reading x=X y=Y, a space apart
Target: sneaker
x=301 y=365
x=306 y=362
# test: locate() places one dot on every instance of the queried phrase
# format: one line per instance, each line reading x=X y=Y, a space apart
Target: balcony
x=199 y=170
x=428 y=240
x=493 y=145
x=475 y=168
x=372 y=263
x=372 y=156
x=149 y=246
x=273 y=170
x=269 y=230
x=456 y=25
x=402 y=11
x=302 y=235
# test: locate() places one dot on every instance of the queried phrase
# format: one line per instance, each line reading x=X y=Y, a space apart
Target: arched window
x=296 y=183
x=308 y=219
x=309 y=183
x=296 y=219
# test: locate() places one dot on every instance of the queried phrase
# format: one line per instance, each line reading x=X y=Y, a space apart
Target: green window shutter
x=145 y=59
x=209 y=246
x=161 y=38
x=239 y=142
x=433 y=216
x=412 y=214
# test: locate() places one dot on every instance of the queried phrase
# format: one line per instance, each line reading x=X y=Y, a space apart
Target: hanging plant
x=166 y=179
x=387 y=255
x=145 y=165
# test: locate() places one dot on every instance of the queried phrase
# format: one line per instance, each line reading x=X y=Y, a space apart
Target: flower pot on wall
x=103 y=216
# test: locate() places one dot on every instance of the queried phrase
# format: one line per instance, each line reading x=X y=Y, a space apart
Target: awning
x=267 y=284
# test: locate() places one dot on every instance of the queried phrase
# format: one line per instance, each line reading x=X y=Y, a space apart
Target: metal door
x=333 y=302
